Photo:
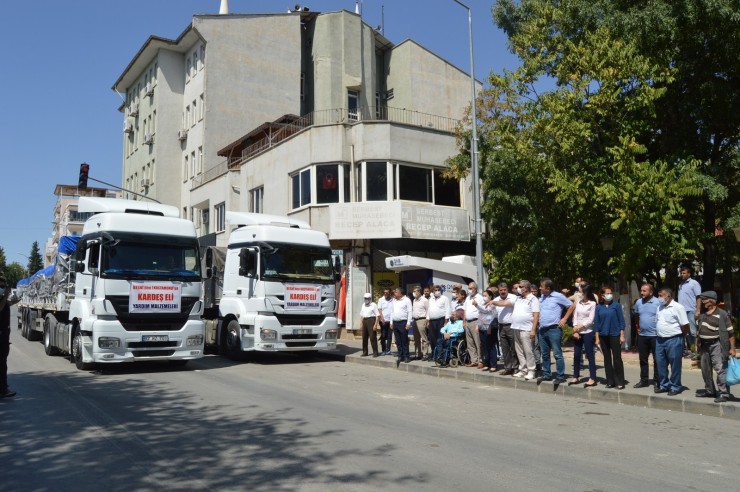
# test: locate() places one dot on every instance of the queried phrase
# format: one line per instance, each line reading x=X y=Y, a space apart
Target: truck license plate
x=155 y=338
x=301 y=331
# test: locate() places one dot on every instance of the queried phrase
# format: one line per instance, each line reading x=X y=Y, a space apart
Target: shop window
x=415 y=184
x=376 y=181
x=301 y=188
x=446 y=191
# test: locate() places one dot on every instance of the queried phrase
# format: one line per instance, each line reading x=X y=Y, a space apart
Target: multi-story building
x=67 y=220
x=306 y=114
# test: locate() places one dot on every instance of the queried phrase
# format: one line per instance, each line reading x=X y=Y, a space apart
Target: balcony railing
x=330 y=117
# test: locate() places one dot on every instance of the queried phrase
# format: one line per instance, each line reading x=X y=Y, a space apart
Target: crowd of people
x=518 y=332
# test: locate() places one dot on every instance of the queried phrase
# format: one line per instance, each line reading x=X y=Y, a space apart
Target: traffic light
x=84 y=169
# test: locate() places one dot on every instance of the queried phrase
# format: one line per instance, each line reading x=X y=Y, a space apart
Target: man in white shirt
x=524 y=320
x=437 y=314
x=385 y=304
x=421 y=339
x=401 y=319
x=505 y=307
x=672 y=324
x=472 y=337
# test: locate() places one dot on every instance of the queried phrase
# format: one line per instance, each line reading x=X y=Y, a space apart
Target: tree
x=35 y=262
x=3 y=260
x=689 y=123
x=14 y=273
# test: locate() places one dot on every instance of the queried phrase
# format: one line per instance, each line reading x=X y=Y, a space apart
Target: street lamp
x=474 y=157
x=26 y=270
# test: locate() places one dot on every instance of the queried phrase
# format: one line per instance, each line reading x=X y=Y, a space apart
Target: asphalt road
x=286 y=423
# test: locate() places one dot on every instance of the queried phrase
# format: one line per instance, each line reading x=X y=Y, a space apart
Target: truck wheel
x=231 y=344
x=77 y=353
x=24 y=325
x=50 y=325
x=33 y=335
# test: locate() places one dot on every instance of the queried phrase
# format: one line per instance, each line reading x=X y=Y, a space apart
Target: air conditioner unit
x=148 y=139
x=128 y=127
x=182 y=134
x=149 y=89
x=133 y=110
x=144 y=182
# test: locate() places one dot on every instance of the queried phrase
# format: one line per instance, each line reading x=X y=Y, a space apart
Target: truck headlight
x=266 y=334
x=109 y=342
x=331 y=334
x=194 y=340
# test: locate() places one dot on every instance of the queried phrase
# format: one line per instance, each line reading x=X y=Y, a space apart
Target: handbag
x=733 y=371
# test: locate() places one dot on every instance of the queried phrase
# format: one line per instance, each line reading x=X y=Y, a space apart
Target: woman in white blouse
x=584 y=337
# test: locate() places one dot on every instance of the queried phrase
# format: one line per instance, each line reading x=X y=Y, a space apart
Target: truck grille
x=151 y=321
x=300 y=319
x=300 y=344
x=151 y=344
x=152 y=353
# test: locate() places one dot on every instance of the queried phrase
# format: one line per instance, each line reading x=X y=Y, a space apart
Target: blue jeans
x=669 y=351
x=551 y=338
x=489 y=345
x=402 y=339
x=584 y=342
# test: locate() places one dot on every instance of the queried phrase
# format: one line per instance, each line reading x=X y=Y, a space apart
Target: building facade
x=305 y=114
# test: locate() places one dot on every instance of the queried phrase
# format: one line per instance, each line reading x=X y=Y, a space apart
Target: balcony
x=285 y=128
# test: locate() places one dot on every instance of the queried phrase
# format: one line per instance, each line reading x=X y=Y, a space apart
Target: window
x=196 y=63
x=303 y=86
x=327 y=183
x=200 y=159
x=188 y=68
x=376 y=181
x=195 y=114
x=415 y=184
x=220 y=210
x=353 y=102
x=184 y=212
x=347 y=183
x=151 y=173
x=446 y=191
x=186 y=121
x=201 y=111
x=301 y=188
x=185 y=169
x=192 y=164
x=256 y=198
x=204 y=220
x=202 y=56
x=377 y=106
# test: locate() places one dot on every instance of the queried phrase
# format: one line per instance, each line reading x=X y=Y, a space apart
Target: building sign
x=430 y=222
x=365 y=220
x=155 y=297
x=302 y=297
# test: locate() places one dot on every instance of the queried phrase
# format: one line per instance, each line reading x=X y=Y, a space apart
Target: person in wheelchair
x=453 y=329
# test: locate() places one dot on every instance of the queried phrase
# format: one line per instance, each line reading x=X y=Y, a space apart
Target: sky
x=61 y=58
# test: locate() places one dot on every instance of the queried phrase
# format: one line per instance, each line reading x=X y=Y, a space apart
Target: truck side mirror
x=79 y=266
x=209 y=258
x=247 y=262
x=209 y=273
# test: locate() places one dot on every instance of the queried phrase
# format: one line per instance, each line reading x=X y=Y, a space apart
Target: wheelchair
x=455 y=354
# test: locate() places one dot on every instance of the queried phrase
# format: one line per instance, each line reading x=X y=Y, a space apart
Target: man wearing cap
x=716 y=344
x=671 y=325
x=369 y=321
x=5 y=304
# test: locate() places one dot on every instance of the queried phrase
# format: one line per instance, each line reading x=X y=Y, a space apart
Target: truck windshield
x=151 y=259
x=297 y=262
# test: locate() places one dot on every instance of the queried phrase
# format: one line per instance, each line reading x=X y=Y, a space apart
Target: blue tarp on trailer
x=68 y=244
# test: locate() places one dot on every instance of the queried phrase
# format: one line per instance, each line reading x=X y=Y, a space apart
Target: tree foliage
x=632 y=139
x=35 y=261
x=14 y=272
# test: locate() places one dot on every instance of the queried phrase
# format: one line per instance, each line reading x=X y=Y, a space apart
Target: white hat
x=368 y=295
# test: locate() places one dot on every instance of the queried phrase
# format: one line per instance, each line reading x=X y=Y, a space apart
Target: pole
x=474 y=158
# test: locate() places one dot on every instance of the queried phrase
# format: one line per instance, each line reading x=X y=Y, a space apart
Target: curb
x=678 y=403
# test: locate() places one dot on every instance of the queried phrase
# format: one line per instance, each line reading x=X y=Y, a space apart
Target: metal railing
x=330 y=117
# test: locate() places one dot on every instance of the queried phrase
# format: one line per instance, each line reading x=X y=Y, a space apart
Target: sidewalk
x=349 y=350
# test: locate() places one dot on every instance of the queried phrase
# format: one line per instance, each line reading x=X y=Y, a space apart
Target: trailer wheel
x=77 y=352
x=231 y=344
x=24 y=324
x=50 y=324
x=33 y=335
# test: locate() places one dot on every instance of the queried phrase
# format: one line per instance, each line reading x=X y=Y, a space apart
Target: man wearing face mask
x=421 y=340
x=369 y=321
x=672 y=325
x=438 y=314
x=505 y=307
x=385 y=305
x=716 y=343
x=5 y=303
x=472 y=336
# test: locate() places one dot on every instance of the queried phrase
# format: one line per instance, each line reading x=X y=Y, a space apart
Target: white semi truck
x=129 y=289
x=272 y=289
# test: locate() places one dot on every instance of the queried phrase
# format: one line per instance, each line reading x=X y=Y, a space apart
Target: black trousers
x=435 y=326
x=646 y=348
x=613 y=366
x=369 y=334
x=4 y=351
x=386 y=336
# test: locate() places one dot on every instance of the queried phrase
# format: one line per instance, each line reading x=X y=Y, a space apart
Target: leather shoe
x=8 y=394
x=674 y=392
x=722 y=399
x=559 y=381
x=406 y=360
x=610 y=386
x=661 y=390
x=641 y=384
x=704 y=394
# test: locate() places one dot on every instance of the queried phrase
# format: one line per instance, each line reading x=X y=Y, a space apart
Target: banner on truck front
x=302 y=297
x=155 y=297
